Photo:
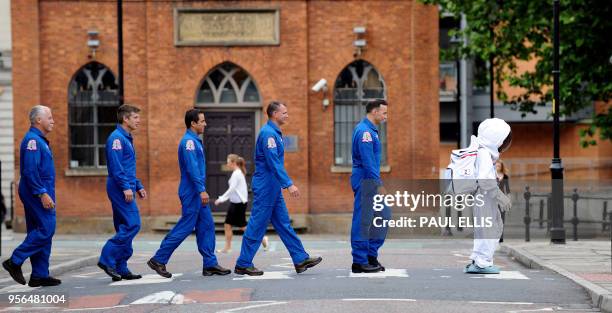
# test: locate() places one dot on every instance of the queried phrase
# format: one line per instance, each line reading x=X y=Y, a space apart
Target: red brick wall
x=50 y=45
x=402 y=43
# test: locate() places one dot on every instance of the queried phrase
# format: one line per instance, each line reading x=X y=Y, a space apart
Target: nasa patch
x=367 y=137
x=117 y=144
x=31 y=145
x=271 y=143
x=190 y=145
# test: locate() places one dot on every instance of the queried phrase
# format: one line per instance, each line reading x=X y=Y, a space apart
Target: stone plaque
x=290 y=143
x=226 y=27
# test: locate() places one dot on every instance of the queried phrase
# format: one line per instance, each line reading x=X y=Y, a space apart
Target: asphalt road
x=421 y=276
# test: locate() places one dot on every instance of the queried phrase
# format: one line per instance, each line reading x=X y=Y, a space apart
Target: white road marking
x=507 y=275
x=158 y=297
x=17 y=288
x=146 y=279
x=285 y=265
x=272 y=246
x=266 y=275
x=252 y=307
x=86 y=275
x=445 y=276
x=179 y=299
x=537 y=310
x=378 y=299
x=389 y=272
x=494 y=302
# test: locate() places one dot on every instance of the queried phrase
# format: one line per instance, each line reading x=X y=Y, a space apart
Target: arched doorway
x=231 y=100
x=92 y=114
x=357 y=84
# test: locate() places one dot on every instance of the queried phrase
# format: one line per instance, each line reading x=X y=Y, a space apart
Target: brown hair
x=125 y=111
x=234 y=158
x=273 y=107
x=504 y=169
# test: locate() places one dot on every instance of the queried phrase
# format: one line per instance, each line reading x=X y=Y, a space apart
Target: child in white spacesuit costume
x=494 y=137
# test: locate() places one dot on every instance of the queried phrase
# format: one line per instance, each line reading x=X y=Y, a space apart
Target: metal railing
x=574 y=221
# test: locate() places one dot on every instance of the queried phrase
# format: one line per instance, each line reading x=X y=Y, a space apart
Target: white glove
x=503 y=201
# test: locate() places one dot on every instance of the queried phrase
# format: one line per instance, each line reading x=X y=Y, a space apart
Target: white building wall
x=6 y=102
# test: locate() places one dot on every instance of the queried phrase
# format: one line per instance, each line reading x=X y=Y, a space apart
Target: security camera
x=320 y=85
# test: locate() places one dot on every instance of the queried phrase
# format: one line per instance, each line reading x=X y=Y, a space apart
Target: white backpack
x=461 y=172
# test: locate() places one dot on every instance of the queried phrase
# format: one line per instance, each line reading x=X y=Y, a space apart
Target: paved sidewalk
x=586 y=262
x=63 y=258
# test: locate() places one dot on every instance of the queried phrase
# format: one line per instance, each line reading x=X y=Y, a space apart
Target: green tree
x=514 y=31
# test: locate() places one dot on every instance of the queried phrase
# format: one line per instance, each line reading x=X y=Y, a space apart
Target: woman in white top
x=238 y=196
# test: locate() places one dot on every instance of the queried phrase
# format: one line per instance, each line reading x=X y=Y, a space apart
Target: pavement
x=423 y=275
x=64 y=258
x=585 y=262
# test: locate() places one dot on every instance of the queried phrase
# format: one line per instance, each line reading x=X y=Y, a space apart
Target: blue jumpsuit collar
x=370 y=124
x=191 y=133
x=274 y=126
x=124 y=132
x=39 y=133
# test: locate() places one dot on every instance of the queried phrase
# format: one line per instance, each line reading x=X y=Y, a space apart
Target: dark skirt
x=236 y=214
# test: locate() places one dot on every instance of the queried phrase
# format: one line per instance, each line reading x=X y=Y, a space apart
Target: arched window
x=357 y=84
x=92 y=116
x=228 y=83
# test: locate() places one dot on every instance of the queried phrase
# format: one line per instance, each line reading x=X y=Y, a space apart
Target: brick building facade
x=165 y=79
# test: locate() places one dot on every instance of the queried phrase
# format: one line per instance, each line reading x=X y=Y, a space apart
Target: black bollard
x=575 y=220
x=527 y=218
x=604 y=216
x=541 y=213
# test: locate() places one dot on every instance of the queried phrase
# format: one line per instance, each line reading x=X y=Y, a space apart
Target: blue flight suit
x=121 y=165
x=37 y=177
x=365 y=178
x=192 y=163
x=269 y=179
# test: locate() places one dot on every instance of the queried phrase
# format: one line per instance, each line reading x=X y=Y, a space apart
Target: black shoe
x=14 y=270
x=251 y=271
x=308 y=263
x=110 y=272
x=159 y=268
x=215 y=270
x=44 y=282
x=130 y=276
x=365 y=268
x=374 y=261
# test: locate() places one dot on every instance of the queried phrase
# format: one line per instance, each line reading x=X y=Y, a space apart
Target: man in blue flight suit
x=37 y=193
x=121 y=185
x=194 y=200
x=365 y=180
x=269 y=179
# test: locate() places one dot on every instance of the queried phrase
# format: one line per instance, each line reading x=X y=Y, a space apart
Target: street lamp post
x=557 y=230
